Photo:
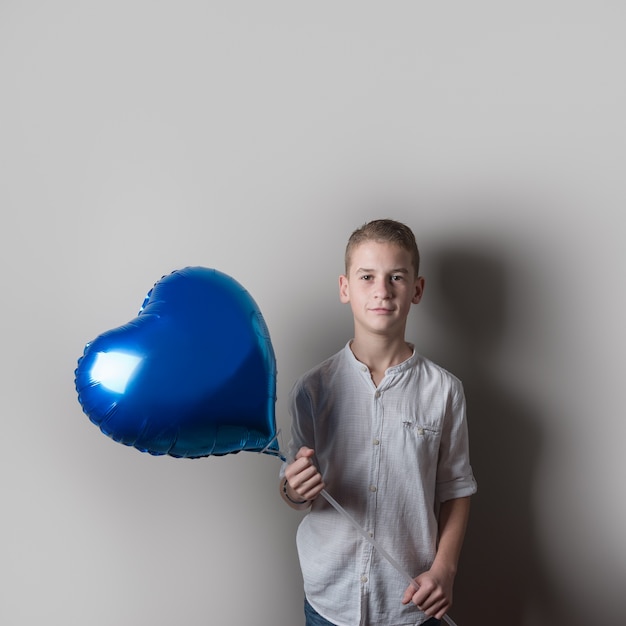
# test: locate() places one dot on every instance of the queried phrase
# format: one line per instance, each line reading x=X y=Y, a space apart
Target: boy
x=383 y=430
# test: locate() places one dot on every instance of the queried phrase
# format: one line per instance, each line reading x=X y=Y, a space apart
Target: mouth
x=381 y=310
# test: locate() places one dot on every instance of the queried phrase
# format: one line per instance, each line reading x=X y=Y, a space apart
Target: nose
x=382 y=289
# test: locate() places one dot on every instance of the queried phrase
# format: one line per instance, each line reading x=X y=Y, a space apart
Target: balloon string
x=367 y=536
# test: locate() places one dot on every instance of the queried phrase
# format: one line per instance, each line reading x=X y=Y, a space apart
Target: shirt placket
x=375 y=446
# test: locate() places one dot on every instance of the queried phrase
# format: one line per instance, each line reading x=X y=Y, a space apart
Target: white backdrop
x=140 y=137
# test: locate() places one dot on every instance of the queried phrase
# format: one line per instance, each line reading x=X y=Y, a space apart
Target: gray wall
x=141 y=137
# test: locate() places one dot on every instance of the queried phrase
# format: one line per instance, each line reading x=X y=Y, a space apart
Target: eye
x=397 y=277
x=366 y=277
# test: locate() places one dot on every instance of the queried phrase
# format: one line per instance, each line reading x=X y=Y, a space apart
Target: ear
x=419 y=290
x=344 y=291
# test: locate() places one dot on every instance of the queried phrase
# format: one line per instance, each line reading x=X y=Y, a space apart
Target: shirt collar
x=395 y=369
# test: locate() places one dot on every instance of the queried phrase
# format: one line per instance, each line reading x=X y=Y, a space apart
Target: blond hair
x=384 y=231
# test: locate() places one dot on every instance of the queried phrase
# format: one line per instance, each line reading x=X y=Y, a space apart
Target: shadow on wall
x=501 y=579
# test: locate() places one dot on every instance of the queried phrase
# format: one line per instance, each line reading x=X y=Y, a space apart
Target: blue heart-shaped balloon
x=193 y=375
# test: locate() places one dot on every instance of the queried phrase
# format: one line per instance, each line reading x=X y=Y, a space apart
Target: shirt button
x=364 y=368
x=373 y=488
x=376 y=442
x=363 y=579
x=377 y=394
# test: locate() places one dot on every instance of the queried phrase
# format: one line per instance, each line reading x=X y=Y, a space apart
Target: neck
x=379 y=354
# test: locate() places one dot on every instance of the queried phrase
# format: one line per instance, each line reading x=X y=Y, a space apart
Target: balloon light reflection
x=113 y=370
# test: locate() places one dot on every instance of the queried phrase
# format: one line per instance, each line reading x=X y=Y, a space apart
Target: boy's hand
x=303 y=477
x=433 y=595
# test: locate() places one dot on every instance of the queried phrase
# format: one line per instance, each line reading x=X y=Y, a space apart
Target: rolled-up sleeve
x=455 y=478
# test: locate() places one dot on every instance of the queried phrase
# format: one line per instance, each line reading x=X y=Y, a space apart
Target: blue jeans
x=313 y=618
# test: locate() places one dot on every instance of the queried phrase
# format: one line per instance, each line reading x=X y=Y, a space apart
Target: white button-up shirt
x=389 y=455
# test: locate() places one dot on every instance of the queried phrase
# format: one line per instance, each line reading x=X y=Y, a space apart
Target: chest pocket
x=424 y=438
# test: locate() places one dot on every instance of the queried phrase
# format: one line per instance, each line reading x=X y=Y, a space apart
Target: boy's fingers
x=304 y=452
x=300 y=470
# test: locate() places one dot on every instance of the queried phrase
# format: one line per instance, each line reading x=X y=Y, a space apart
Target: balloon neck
x=273 y=447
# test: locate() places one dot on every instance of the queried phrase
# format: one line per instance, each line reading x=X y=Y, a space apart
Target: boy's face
x=381 y=286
